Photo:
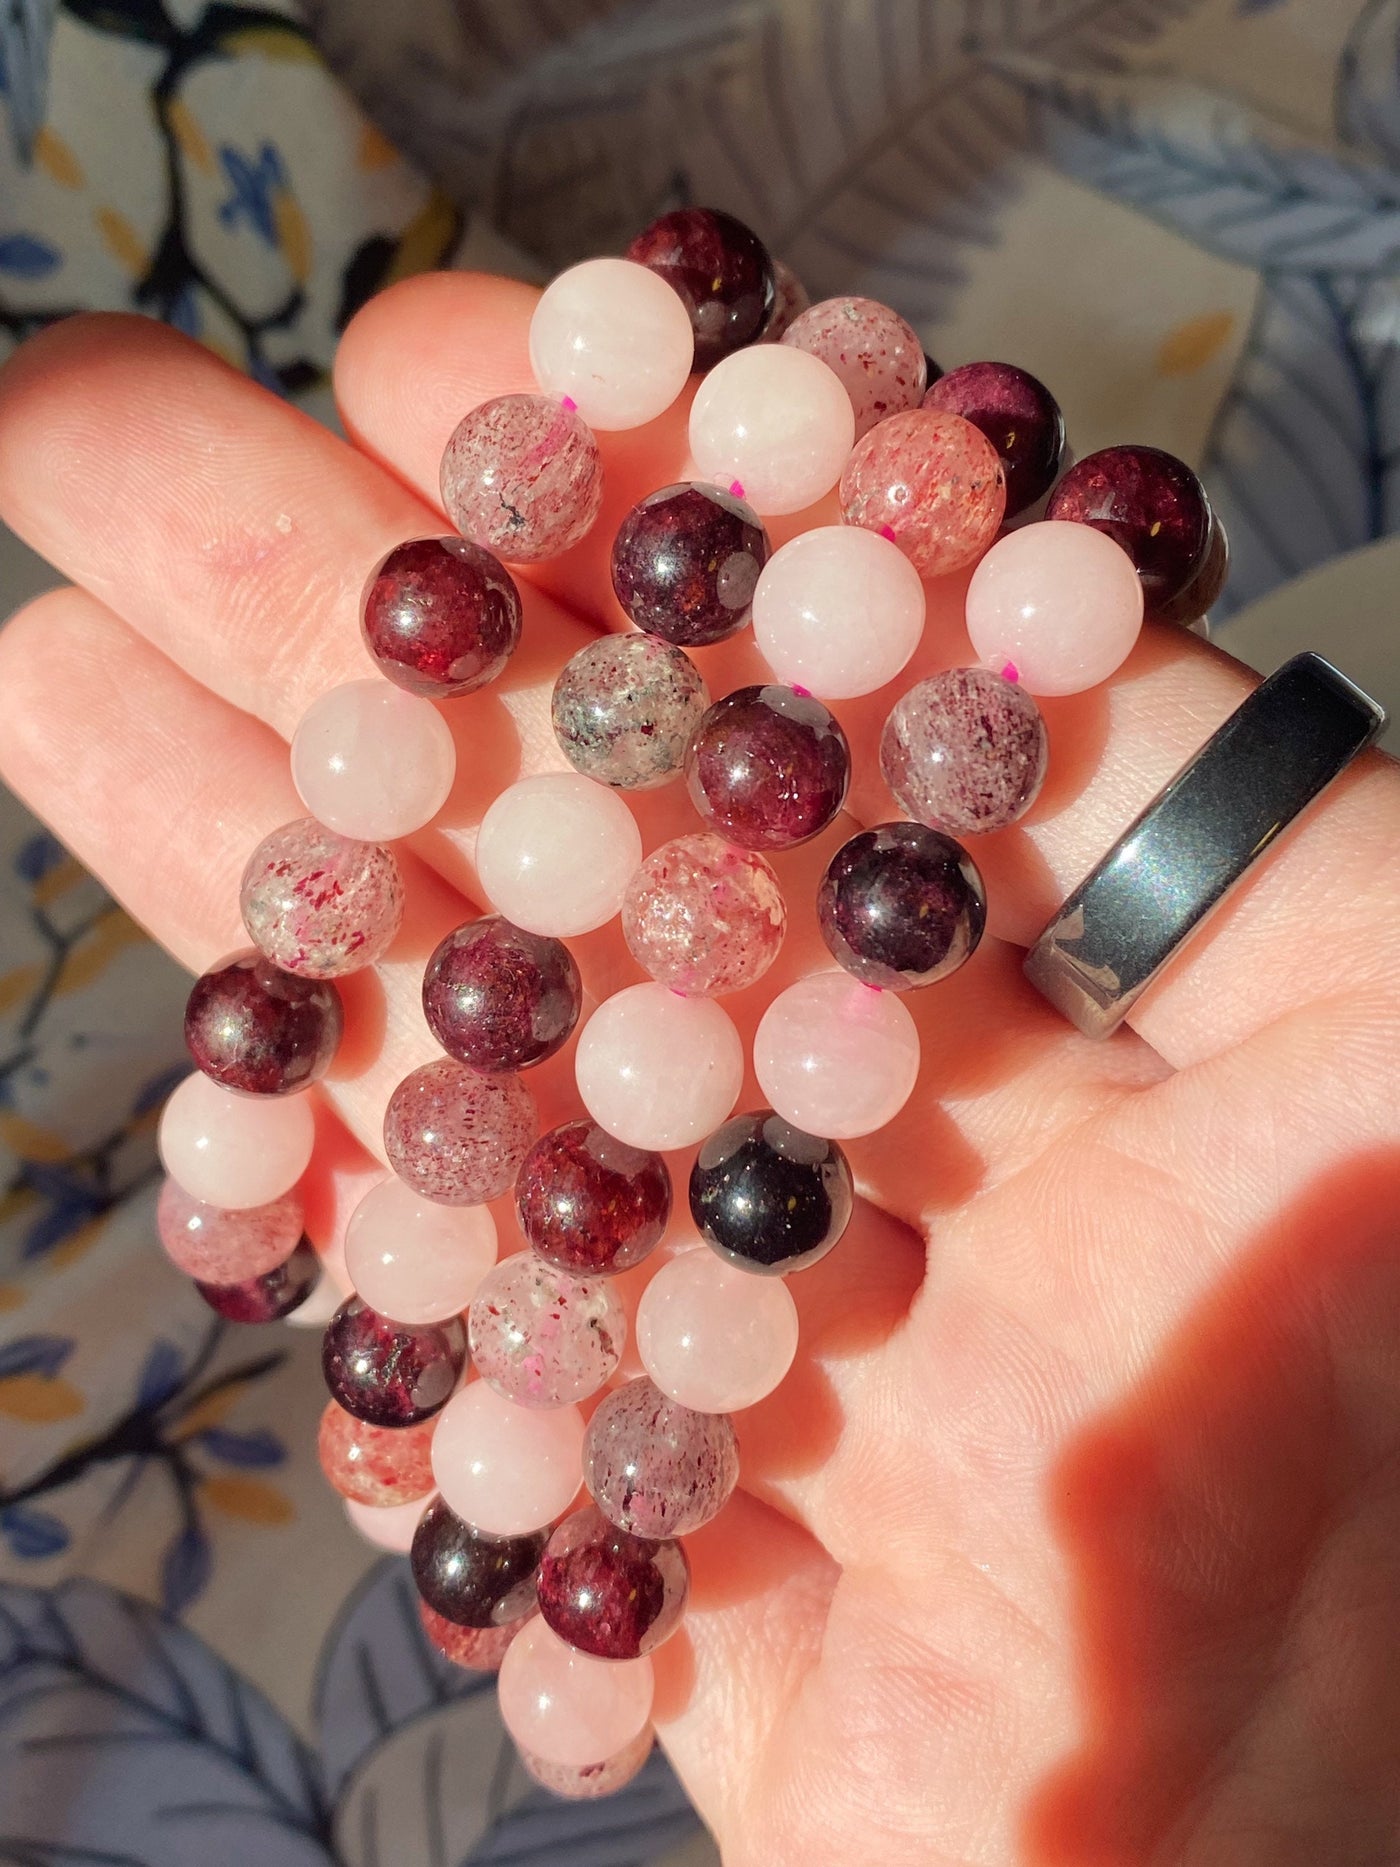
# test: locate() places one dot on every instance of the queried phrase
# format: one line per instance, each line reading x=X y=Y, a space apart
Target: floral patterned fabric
x=1183 y=214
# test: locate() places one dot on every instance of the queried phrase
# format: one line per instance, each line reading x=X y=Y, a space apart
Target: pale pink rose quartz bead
x=582 y=1782
x=878 y=357
x=542 y=1338
x=555 y=852
x=656 y=1070
x=930 y=482
x=835 y=1057
x=615 y=339
x=505 y=1468
x=413 y=1259
x=216 y=1245
x=234 y=1151
x=568 y=1707
x=774 y=422
x=713 y=1337
x=522 y=476
x=1056 y=606
x=387 y=1526
x=373 y=762
x=319 y=904
x=703 y=916
x=838 y=611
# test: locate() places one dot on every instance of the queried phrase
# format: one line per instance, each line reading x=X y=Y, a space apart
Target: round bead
x=387 y=1526
x=610 y=1594
x=456 y=1136
x=655 y=1468
x=259 y=1030
x=1203 y=587
x=624 y=710
x=1150 y=504
x=721 y=271
x=773 y=424
x=372 y=762
x=1018 y=415
x=656 y=1070
x=468 y=1576
x=270 y=1297
x=713 y=1337
x=838 y=611
x=413 y=1259
x=374 y=1464
x=1055 y=606
x=440 y=616
x=390 y=1373
x=318 y=904
x=790 y=299
x=566 y=1706
x=769 y=1197
x=901 y=905
x=588 y=1203
x=543 y=1338
x=507 y=1469
x=685 y=562
x=585 y=1782
x=555 y=853
x=499 y=998
x=234 y=1151
x=965 y=751
x=222 y=1246
x=522 y=476
x=768 y=767
x=932 y=483
x=615 y=339
x=876 y=355
x=481 y=1649
x=703 y=917
x=836 y=1058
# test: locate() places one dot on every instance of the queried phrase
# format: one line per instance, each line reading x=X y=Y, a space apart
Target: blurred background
x=1184 y=215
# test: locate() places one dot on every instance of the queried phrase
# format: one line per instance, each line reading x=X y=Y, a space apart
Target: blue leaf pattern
x=35 y=1354
x=25 y=256
x=37 y=856
x=26 y=27
x=252 y=184
x=255 y=1450
x=32 y=1534
x=185 y=1567
x=160 y=1376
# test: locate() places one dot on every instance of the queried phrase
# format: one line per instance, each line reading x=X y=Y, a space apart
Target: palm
x=1070 y=1537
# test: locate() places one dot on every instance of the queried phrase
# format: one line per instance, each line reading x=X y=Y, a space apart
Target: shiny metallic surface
x=1181 y=857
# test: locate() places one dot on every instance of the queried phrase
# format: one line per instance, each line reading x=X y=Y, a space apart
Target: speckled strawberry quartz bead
x=703 y=917
x=374 y=1464
x=455 y=1135
x=541 y=1337
x=655 y=1468
x=877 y=356
x=523 y=477
x=624 y=709
x=318 y=904
x=219 y=1246
x=930 y=482
x=965 y=751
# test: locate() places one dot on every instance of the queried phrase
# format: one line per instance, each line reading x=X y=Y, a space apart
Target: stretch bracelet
x=936 y=474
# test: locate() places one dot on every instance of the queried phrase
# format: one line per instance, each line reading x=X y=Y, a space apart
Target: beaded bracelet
x=936 y=473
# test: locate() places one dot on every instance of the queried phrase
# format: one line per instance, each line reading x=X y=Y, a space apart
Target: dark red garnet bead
x=901 y=905
x=499 y=998
x=589 y=1204
x=1202 y=590
x=391 y=1373
x=470 y=1578
x=609 y=1593
x=259 y=1030
x=721 y=270
x=685 y=562
x=1150 y=503
x=441 y=617
x=270 y=1297
x=768 y=767
x=1018 y=415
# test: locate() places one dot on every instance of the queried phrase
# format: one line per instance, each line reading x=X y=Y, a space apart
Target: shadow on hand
x=1234 y=1538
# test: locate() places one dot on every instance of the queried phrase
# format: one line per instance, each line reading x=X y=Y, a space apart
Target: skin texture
x=1074 y=1533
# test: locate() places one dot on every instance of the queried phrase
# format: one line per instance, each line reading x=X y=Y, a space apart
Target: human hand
x=1074 y=1534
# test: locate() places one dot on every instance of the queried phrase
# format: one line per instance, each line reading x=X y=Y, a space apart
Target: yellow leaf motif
x=31 y=1142
x=213 y=1410
x=90 y=959
x=252 y=1499
x=375 y=150
x=11 y=1296
x=65 y=875
x=70 y=1249
x=1194 y=343
x=57 y=160
x=272 y=42
x=293 y=234
x=187 y=133
x=427 y=239
x=122 y=240
x=38 y=1400
x=16 y=986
